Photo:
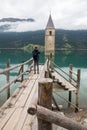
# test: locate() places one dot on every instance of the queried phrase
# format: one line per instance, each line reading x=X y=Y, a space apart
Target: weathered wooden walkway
x=14 y=115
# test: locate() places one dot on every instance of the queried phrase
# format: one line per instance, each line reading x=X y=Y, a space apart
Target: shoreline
x=58 y=49
x=10 y=49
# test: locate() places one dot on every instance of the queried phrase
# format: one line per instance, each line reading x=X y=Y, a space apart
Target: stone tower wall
x=49 y=41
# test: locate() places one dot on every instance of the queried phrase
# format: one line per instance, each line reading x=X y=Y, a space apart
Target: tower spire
x=50 y=22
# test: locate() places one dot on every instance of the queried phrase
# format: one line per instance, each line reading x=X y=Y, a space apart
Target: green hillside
x=68 y=39
x=30 y=47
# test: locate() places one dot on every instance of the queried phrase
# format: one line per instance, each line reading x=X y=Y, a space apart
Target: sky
x=66 y=14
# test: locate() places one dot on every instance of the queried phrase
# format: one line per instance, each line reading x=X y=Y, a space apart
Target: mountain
x=17 y=39
x=64 y=39
x=76 y=39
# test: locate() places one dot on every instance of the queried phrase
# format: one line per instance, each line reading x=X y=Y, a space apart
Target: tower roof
x=50 y=23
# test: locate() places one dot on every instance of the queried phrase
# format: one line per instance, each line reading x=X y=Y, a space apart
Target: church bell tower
x=50 y=37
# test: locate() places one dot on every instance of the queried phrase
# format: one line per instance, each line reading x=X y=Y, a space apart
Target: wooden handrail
x=14 y=67
x=10 y=83
x=74 y=81
x=60 y=69
x=53 y=117
x=17 y=77
x=66 y=100
x=73 y=72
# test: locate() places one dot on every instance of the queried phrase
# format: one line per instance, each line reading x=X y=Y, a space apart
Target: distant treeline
x=64 y=39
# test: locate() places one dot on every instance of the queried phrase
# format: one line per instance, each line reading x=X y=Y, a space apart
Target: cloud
x=66 y=14
x=16 y=20
x=5 y=27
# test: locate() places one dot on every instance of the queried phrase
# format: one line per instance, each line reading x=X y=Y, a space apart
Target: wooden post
x=77 y=91
x=46 y=74
x=8 y=79
x=56 y=103
x=48 y=64
x=51 y=64
x=22 y=70
x=45 y=100
x=53 y=117
x=70 y=80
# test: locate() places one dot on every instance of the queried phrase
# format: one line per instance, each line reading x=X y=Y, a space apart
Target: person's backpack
x=35 y=54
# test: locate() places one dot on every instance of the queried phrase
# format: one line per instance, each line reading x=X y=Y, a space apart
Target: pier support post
x=8 y=79
x=70 y=80
x=22 y=70
x=77 y=91
x=45 y=100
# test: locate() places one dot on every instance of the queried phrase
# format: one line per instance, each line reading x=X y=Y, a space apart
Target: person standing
x=35 y=54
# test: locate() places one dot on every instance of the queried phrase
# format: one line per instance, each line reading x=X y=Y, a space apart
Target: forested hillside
x=64 y=39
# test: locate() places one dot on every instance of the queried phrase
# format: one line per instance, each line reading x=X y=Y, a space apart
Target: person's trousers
x=36 y=66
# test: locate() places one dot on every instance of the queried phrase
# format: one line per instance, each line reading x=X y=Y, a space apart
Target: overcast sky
x=66 y=14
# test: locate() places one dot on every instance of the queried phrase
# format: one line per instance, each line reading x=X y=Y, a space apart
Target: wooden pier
x=14 y=114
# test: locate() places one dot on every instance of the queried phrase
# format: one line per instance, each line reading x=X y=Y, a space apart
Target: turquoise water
x=61 y=58
x=79 y=61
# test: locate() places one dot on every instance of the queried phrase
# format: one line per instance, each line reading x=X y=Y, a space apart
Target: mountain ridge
x=72 y=39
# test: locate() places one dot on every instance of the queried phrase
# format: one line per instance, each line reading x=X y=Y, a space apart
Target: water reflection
x=77 y=58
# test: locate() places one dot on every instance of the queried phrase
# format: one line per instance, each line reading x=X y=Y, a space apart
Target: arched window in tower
x=50 y=33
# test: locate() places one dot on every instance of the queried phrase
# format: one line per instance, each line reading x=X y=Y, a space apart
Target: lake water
x=61 y=58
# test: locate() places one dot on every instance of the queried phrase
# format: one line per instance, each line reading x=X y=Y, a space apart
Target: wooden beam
x=56 y=103
x=8 y=79
x=53 y=117
x=70 y=80
x=77 y=91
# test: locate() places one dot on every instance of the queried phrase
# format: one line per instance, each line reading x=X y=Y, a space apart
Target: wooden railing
x=72 y=77
x=20 y=74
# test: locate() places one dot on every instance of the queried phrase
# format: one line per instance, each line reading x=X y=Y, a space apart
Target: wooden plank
x=18 y=95
x=23 y=99
x=22 y=118
x=20 y=100
x=5 y=120
x=11 y=124
x=23 y=115
x=32 y=97
x=6 y=108
x=34 y=94
x=30 y=123
x=13 y=98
